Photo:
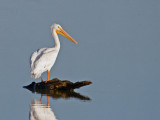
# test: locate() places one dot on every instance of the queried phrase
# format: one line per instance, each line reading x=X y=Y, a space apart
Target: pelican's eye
x=59 y=27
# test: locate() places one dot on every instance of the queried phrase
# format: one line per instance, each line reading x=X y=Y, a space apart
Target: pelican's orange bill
x=65 y=34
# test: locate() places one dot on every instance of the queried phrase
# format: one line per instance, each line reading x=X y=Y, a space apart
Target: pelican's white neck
x=56 y=39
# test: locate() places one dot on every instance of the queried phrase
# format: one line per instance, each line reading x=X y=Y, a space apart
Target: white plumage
x=43 y=59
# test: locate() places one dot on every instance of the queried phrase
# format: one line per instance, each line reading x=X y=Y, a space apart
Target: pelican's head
x=59 y=30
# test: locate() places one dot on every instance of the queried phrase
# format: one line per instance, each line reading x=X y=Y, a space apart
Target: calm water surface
x=118 y=50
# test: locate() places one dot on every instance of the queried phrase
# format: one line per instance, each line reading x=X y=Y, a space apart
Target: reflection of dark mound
x=56 y=94
x=58 y=89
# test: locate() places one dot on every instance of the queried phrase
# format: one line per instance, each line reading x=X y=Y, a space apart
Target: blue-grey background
x=118 y=50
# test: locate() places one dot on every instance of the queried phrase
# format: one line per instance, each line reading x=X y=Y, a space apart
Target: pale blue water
x=118 y=50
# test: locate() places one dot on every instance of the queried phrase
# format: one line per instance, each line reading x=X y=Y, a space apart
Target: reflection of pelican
x=43 y=59
x=40 y=111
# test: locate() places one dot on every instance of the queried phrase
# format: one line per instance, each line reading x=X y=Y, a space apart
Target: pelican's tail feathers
x=35 y=75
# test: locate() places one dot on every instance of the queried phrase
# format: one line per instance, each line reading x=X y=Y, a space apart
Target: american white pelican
x=43 y=59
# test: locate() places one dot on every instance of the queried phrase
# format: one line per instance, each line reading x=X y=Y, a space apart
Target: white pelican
x=43 y=59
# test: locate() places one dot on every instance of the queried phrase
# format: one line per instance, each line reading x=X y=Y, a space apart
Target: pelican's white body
x=40 y=111
x=43 y=59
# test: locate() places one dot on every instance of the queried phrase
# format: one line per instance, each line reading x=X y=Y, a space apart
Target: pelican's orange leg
x=41 y=79
x=48 y=76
